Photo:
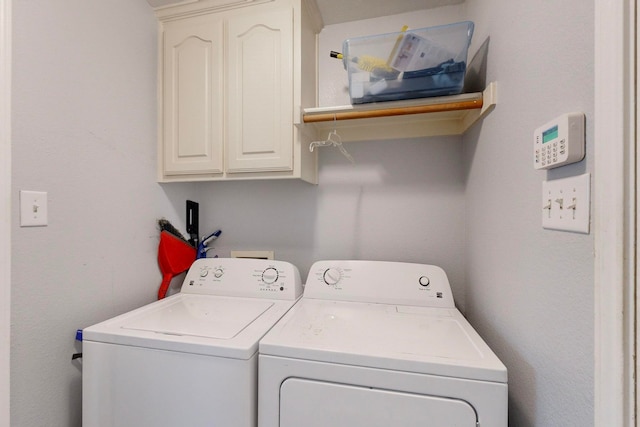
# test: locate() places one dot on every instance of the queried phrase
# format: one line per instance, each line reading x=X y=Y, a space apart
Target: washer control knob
x=332 y=276
x=218 y=272
x=204 y=272
x=270 y=275
x=424 y=281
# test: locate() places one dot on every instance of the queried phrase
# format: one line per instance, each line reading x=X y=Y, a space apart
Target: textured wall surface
x=84 y=126
x=530 y=290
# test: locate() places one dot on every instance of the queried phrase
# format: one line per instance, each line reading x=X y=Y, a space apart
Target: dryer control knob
x=218 y=273
x=204 y=272
x=332 y=276
x=270 y=275
x=424 y=281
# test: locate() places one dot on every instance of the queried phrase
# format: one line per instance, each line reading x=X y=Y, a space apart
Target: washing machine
x=378 y=344
x=190 y=359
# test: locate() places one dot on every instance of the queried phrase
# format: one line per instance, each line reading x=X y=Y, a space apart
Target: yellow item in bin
x=397 y=45
x=376 y=66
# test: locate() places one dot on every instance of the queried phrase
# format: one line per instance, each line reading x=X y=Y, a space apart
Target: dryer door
x=320 y=404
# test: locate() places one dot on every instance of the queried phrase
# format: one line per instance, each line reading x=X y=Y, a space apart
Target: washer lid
x=427 y=340
x=200 y=317
x=202 y=324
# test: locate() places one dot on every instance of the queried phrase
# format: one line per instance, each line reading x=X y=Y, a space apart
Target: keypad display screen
x=550 y=134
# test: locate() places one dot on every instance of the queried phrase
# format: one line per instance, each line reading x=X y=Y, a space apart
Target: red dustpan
x=175 y=256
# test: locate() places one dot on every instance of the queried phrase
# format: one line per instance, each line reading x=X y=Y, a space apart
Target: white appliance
x=189 y=359
x=378 y=344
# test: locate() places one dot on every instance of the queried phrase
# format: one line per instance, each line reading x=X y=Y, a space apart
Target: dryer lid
x=427 y=340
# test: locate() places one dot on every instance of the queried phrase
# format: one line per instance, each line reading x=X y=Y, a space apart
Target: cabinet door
x=260 y=73
x=193 y=96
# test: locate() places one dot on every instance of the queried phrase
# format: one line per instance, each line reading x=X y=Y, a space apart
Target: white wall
x=529 y=290
x=402 y=201
x=84 y=122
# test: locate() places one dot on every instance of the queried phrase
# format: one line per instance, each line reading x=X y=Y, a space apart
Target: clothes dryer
x=378 y=344
x=190 y=359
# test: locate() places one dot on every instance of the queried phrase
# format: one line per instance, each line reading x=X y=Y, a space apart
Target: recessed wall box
x=252 y=254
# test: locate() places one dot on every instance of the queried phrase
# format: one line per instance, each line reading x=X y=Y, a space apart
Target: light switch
x=566 y=204
x=33 y=208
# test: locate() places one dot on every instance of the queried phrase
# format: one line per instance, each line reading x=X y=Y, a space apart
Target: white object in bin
x=378 y=87
x=417 y=53
x=378 y=344
x=189 y=359
x=358 y=82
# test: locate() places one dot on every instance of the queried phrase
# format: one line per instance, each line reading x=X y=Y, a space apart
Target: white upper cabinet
x=193 y=102
x=233 y=81
x=260 y=70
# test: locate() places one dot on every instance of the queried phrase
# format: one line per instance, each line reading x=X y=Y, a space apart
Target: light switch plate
x=566 y=204
x=33 y=208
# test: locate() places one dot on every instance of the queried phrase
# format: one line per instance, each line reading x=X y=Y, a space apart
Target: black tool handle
x=193 y=222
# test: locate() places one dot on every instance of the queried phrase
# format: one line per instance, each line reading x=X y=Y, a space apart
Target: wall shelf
x=445 y=115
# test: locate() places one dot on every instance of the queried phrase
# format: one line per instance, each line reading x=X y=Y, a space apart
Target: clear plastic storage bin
x=411 y=64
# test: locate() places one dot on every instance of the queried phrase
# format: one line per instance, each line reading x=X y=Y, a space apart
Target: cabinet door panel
x=260 y=92
x=193 y=97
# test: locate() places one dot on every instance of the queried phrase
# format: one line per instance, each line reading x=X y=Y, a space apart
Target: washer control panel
x=380 y=282
x=243 y=277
